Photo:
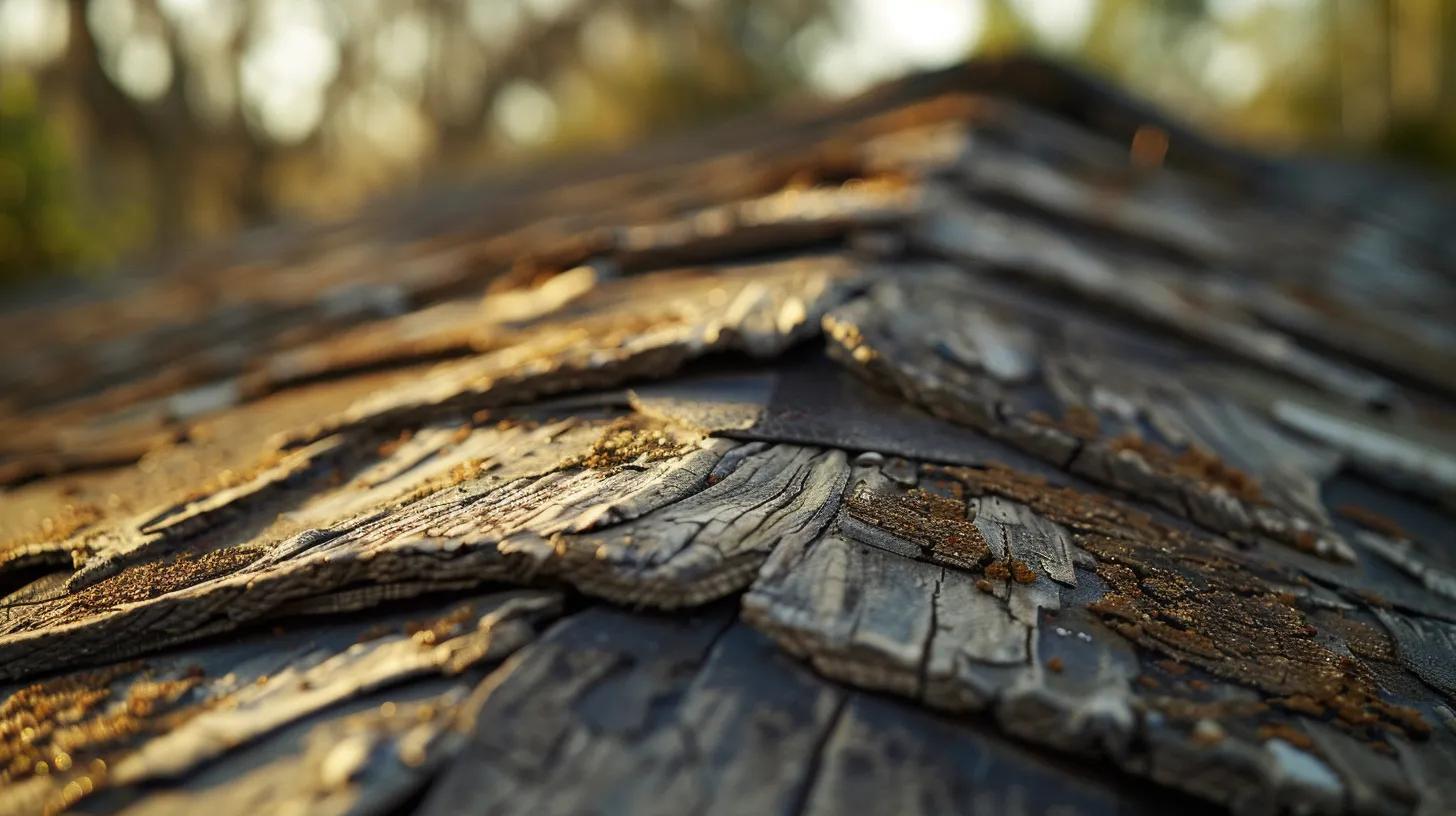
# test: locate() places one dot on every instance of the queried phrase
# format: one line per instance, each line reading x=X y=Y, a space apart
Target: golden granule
x=66 y=726
x=141 y=582
x=435 y=630
x=631 y=440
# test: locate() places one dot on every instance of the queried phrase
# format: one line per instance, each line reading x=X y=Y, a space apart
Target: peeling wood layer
x=931 y=453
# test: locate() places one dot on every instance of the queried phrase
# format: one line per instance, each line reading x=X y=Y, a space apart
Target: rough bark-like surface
x=929 y=453
x=104 y=737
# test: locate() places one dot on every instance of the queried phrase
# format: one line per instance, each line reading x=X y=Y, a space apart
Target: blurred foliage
x=135 y=126
x=45 y=221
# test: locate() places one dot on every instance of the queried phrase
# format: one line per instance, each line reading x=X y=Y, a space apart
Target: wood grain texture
x=917 y=454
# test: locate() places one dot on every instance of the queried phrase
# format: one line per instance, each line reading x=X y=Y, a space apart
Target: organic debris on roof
x=990 y=391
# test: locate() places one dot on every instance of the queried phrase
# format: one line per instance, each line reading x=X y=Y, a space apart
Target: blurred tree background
x=131 y=127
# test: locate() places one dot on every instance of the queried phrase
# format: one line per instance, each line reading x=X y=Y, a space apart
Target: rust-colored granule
x=1373 y=521
x=1188 y=600
x=1288 y=733
x=940 y=525
x=1193 y=463
x=1301 y=703
x=1173 y=667
x=1363 y=639
x=998 y=571
x=1223 y=619
x=1082 y=422
x=1021 y=572
x=1078 y=420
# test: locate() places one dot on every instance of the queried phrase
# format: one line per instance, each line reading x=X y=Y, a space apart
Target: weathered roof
x=988 y=443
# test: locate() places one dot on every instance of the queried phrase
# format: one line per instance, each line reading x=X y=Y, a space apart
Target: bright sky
x=878 y=40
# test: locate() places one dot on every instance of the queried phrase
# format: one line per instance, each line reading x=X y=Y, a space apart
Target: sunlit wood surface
x=985 y=444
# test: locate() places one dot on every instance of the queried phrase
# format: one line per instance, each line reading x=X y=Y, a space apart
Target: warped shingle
x=939 y=451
